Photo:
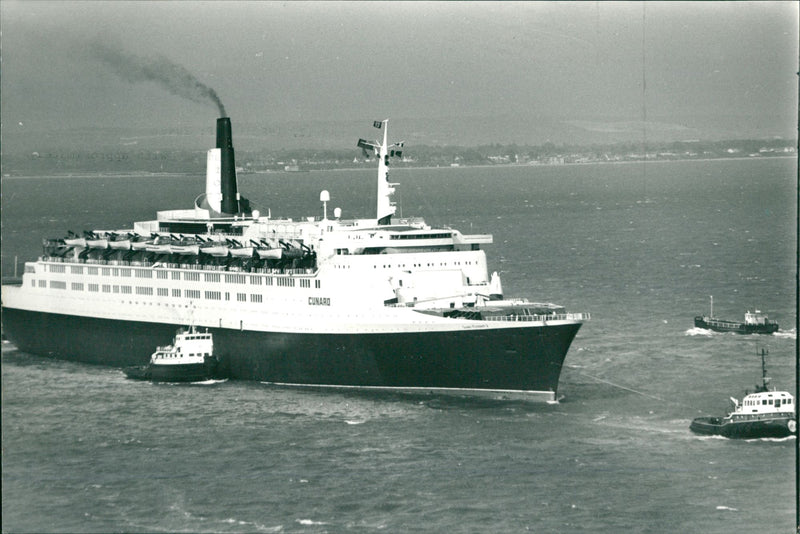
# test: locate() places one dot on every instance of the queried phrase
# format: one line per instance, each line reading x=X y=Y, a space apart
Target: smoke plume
x=171 y=76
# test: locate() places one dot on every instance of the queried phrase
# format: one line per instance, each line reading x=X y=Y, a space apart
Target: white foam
x=788 y=334
x=727 y=508
x=309 y=522
x=699 y=332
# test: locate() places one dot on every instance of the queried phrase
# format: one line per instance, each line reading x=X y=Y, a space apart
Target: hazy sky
x=283 y=61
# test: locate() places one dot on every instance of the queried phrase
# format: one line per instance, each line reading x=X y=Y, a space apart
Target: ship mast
x=383 y=151
x=764 y=377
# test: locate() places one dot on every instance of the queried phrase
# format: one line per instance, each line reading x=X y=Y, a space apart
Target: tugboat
x=766 y=413
x=754 y=323
x=190 y=358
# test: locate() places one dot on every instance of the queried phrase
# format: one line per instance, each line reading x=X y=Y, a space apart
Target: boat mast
x=764 y=377
x=712 y=306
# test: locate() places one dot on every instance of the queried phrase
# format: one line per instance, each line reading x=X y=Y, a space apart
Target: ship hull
x=525 y=360
x=719 y=325
x=765 y=427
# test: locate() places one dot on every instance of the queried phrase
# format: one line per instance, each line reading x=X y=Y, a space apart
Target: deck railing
x=540 y=318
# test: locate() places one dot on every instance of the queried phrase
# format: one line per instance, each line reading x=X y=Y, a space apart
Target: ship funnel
x=230 y=194
x=222 y=193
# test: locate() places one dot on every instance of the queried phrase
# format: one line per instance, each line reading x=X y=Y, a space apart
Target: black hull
x=509 y=359
x=776 y=427
x=719 y=325
x=193 y=372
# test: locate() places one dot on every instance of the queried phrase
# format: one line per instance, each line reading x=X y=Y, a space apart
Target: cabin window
x=176 y=292
x=777 y=403
x=763 y=401
x=241 y=297
x=176 y=275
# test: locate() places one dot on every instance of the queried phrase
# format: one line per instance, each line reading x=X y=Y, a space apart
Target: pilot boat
x=190 y=358
x=765 y=413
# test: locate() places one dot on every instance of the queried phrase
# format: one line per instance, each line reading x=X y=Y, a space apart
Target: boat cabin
x=767 y=402
x=755 y=318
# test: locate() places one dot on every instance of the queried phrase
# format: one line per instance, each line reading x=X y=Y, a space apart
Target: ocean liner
x=385 y=303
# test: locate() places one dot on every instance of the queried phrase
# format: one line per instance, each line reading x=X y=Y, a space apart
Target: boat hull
x=761 y=427
x=190 y=372
x=719 y=325
x=525 y=360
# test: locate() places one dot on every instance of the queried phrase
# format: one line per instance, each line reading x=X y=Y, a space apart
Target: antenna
x=324 y=197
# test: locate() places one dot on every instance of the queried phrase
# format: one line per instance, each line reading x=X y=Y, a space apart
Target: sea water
x=640 y=247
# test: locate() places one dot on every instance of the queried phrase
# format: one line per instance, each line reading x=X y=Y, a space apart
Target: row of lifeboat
x=184 y=245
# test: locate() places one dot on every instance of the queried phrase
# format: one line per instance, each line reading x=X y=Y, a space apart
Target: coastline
x=146 y=174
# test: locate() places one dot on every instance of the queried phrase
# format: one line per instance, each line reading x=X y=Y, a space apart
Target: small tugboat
x=754 y=323
x=190 y=358
x=766 y=413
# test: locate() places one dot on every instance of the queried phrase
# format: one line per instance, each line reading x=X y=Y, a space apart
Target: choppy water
x=86 y=450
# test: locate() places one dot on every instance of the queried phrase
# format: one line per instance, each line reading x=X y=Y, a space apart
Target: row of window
x=787 y=400
x=256 y=280
x=148 y=291
x=441 y=264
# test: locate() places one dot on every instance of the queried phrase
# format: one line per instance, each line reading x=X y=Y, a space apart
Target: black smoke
x=171 y=76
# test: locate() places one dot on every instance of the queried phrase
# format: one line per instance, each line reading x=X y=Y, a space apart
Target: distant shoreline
x=145 y=174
